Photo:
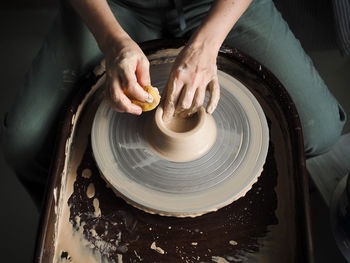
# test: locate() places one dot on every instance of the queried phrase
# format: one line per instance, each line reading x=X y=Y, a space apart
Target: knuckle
x=178 y=74
x=123 y=65
x=146 y=62
x=117 y=100
x=180 y=71
x=124 y=53
x=124 y=108
x=124 y=101
x=115 y=104
x=128 y=84
x=123 y=104
x=115 y=97
x=120 y=60
x=194 y=80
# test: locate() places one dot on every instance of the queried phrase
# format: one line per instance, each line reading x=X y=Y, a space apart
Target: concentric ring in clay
x=156 y=185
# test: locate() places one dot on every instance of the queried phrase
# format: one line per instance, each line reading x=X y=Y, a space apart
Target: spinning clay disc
x=147 y=180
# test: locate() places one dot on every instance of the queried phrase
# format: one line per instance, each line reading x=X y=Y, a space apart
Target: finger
x=172 y=95
x=214 y=90
x=132 y=88
x=186 y=99
x=113 y=99
x=198 y=101
x=126 y=105
x=187 y=94
x=142 y=72
x=120 y=102
x=110 y=95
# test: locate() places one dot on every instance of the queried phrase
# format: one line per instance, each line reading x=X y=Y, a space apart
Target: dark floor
x=22 y=32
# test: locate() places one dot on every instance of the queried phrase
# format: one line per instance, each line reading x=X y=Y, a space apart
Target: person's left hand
x=194 y=71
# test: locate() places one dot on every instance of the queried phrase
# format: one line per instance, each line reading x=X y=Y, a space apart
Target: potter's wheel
x=148 y=181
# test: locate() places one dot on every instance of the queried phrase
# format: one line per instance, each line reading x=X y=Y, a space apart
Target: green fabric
x=263 y=34
x=70 y=51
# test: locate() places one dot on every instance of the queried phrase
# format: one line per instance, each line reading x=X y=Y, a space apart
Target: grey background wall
x=24 y=24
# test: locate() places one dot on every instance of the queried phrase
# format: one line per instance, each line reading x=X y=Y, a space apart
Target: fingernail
x=138 y=112
x=149 y=98
x=210 y=109
x=186 y=105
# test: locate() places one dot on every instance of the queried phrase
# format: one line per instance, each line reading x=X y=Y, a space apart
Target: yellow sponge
x=148 y=106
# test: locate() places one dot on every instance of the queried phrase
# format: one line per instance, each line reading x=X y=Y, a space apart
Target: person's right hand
x=127 y=71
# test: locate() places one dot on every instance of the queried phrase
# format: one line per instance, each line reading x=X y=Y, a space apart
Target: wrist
x=204 y=42
x=112 y=42
x=204 y=39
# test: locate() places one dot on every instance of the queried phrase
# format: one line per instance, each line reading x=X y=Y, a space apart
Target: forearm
x=220 y=20
x=99 y=18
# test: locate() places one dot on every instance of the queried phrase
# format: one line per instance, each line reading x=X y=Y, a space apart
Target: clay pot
x=182 y=139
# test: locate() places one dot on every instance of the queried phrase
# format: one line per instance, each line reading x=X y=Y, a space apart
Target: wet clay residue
x=255 y=228
x=90 y=192
x=120 y=229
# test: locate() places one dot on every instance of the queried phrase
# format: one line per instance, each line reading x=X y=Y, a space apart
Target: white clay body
x=183 y=169
x=181 y=139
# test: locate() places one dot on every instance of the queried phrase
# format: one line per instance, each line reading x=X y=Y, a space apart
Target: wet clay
x=86 y=173
x=181 y=139
x=121 y=233
x=90 y=191
x=267 y=223
x=179 y=124
x=225 y=233
x=185 y=173
x=97 y=210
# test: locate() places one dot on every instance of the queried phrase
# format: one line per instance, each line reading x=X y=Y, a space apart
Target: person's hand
x=193 y=73
x=127 y=71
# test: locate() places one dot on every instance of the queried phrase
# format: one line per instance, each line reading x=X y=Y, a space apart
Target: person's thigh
x=68 y=52
x=263 y=34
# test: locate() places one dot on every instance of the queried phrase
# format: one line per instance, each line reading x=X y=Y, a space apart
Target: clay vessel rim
x=159 y=123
